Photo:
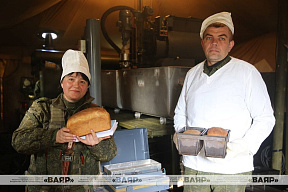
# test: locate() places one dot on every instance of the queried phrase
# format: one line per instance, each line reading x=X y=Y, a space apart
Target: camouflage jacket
x=36 y=136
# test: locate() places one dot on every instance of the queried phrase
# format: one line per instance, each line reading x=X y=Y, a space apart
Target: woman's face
x=74 y=87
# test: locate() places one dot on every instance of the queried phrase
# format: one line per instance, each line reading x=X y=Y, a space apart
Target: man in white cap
x=43 y=135
x=224 y=92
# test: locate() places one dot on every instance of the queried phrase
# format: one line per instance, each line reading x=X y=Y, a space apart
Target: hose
x=103 y=28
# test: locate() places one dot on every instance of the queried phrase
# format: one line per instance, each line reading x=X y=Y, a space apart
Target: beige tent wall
x=259 y=51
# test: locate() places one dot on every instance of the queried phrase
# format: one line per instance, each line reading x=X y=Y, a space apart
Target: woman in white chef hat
x=43 y=135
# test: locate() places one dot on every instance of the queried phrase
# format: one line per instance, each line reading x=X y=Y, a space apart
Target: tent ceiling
x=20 y=20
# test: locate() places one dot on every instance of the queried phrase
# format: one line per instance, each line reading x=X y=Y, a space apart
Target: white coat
x=235 y=97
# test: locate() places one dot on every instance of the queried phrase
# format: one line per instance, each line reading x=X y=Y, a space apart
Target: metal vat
x=153 y=91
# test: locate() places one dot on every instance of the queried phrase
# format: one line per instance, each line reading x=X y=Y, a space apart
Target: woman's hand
x=92 y=139
x=63 y=135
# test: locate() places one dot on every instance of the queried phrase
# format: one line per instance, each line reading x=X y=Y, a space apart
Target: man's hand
x=63 y=135
x=175 y=140
x=92 y=139
x=236 y=147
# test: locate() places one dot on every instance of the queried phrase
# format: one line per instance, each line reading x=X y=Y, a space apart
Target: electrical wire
x=266 y=158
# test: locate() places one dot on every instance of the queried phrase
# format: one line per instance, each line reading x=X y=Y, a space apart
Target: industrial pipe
x=281 y=86
x=92 y=34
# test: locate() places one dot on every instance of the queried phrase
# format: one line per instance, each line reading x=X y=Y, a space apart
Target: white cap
x=223 y=17
x=74 y=61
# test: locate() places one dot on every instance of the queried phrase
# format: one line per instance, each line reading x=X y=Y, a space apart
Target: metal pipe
x=286 y=136
x=281 y=86
x=92 y=34
x=139 y=5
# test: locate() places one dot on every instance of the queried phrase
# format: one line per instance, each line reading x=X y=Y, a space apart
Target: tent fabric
x=260 y=51
x=21 y=21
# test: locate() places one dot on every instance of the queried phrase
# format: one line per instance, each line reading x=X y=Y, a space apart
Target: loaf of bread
x=192 y=131
x=94 y=118
x=217 y=131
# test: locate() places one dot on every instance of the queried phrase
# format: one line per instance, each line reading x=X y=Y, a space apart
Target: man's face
x=216 y=44
x=74 y=87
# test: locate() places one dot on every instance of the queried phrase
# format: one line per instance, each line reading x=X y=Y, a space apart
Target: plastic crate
x=157 y=184
x=133 y=167
x=132 y=145
x=133 y=158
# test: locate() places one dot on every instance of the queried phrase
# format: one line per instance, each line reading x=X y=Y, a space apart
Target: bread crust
x=217 y=131
x=94 y=118
x=192 y=131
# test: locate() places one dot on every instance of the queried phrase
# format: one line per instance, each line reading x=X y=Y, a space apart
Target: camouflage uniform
x=210 y=188
x=36 y=135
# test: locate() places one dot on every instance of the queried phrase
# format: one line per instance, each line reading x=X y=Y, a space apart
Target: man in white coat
x=225 y=92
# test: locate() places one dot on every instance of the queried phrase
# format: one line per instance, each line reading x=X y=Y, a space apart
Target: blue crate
x=132 y=145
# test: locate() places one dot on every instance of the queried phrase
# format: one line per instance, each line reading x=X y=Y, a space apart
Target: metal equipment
x=133 y=158
x=153 y=91
x=147 y=43
x=153 y=60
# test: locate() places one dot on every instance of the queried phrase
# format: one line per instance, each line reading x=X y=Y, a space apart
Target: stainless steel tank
x=152 y=91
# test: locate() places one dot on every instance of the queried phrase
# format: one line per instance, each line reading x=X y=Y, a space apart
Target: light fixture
x=48 y=36
x=44 y=35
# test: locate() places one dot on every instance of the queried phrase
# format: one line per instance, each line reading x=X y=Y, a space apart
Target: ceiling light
x=44 y=35
x=48 y=36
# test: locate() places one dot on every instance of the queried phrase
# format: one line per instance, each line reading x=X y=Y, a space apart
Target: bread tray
x=189 y=144
x=215 y=146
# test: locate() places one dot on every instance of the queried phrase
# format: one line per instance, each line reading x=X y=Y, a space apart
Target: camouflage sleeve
x=33 y=134
x=106 y=150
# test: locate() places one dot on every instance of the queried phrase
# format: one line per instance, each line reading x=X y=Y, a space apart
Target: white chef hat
x=74 y=61
x=222 y=17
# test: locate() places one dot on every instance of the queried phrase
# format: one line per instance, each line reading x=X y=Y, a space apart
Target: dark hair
x=217 y=25
x=82 y=75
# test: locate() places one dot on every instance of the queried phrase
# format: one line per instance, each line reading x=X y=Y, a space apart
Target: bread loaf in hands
x=94 y=118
